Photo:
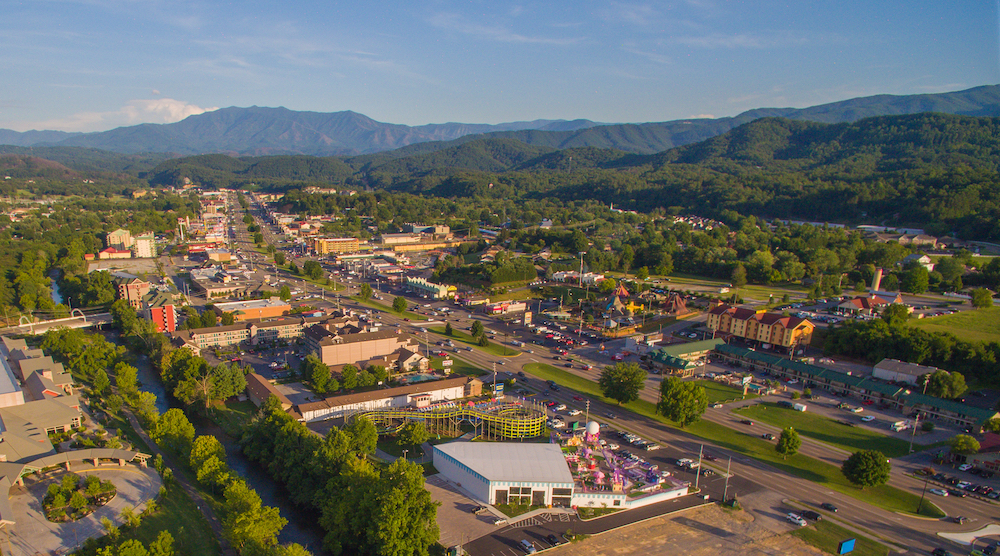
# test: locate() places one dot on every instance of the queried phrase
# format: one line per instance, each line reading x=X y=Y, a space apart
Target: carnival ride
x=491 y=420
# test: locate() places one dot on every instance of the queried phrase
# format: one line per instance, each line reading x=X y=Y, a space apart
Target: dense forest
x=935 y=171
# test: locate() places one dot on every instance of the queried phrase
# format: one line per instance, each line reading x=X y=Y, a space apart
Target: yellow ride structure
x=490 y=420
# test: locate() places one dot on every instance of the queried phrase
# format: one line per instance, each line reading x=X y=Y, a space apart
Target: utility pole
x=697 y=475
x=725 y=492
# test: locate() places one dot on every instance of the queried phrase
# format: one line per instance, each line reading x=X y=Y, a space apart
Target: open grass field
x=979 y=325
x=819 y=472
x=718 y=392
x=827 y=430
x=826 y=536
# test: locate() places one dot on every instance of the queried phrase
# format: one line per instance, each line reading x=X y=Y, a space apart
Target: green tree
x=642 y=273
x=405 y=516
x=126 y=378
x=249 y=526
x=413 y=433
x=607 y=285
x=293 y=268
x=228 y=318
x=950 y=268
x=129 y=517
x=943 y=384
x=285 y=292
x=915 y=280
x=366 y=291
x=363 y=436
x=317 y=372
x=173 y=430
x=622 y=382
x=163 y=545
x=448 y=330
x=993 y=425
x=399 y=304
x=867 y=468
x=788 y=443
x=483 y=341
x=313 y=270
x=680 y=401
x=981 y=298
x=477 y=329
x=895 y=314
x=279 y=258
x=349 y=377
x=101 y=382
x=738 y=277
x=964 y=444
x=258 y=238
x=203 y=448
x=78 y=501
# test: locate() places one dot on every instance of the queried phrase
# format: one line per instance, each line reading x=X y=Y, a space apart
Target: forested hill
x=270 y=131
x=655 y=137
x=934 y=171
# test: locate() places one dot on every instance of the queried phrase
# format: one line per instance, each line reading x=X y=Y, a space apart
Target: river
x=57 y=297
x=302 y=527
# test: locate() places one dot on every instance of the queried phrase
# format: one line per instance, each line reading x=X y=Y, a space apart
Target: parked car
x=964 y=467
x=553 y=540
x=527 y=546
x=796 y=519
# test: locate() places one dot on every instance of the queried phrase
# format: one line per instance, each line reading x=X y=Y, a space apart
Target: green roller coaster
x=491 y=421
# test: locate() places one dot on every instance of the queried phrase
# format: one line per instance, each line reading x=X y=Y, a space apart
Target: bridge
x=77 y=319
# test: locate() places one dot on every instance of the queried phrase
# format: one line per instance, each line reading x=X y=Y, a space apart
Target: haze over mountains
x=266 y=131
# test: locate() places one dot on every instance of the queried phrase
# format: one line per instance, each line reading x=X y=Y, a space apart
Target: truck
x=799 y=407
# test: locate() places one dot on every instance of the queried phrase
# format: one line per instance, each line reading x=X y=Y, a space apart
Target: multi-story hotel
x=764 y=327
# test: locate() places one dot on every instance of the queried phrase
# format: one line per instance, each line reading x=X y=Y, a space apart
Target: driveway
x=34 y=534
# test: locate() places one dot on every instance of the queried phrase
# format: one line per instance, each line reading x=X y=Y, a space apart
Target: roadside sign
x=846 y=547
x=746 y=380
x=447 y=363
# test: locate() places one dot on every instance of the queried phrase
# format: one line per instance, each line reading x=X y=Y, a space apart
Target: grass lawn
x=827 y=536
x=979 y=325
x=461 y=337
x=514 y=510
x=233 y=416
x=827 y=430
x=718 y=392
x=887 y=497
x=591 y=513
x=371 y=303
x=179 y=515
x=459 y=367
x=125 y=428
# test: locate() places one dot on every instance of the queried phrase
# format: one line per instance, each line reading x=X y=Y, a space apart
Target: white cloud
x=155 y=111
x=499 y=33
x=740 y=40
x=702 y=117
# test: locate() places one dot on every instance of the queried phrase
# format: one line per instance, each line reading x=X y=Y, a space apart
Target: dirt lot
x=705 y=531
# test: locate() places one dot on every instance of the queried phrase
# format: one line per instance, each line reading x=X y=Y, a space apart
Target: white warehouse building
x=508 y=472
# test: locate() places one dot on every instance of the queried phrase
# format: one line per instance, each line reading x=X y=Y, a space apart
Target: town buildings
x=759 y=325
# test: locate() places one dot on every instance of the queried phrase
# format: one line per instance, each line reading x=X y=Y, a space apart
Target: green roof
x=680 y=350
x=859 y=382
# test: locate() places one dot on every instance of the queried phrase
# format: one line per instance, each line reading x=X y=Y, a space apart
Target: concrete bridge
x=77 y=319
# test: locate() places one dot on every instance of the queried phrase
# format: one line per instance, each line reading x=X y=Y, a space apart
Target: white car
x=868 y=418
x=796 y=519
x=939 y=491
x=560 y=407
x=575 y=412
x=964 y=467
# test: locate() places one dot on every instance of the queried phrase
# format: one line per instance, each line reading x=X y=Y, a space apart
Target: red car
x=578 y=398
x=867 y=402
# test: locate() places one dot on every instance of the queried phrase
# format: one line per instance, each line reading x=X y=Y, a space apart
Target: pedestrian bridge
x=77 y=319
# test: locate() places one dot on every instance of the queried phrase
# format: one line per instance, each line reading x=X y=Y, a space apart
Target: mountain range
x=269 y=131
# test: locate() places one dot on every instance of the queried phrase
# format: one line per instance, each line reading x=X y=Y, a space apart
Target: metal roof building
x=507 y=472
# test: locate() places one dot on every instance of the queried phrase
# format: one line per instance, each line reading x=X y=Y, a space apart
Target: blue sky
x=90 y=65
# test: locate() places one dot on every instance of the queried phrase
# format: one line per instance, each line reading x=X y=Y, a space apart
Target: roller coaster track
x=495 y=421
